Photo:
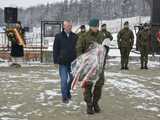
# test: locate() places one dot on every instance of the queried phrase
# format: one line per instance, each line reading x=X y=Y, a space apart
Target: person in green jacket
x=91 y=97
x=83 y=30
x=106 y=33
x=125 y=39
x=144 y=46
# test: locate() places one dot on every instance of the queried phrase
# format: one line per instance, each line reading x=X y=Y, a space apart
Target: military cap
x=82 y=27
x=94 y=22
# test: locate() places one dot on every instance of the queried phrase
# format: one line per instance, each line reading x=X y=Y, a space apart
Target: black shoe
x=142 y=67
x=15 y=65
x=90 y=110
x=126 y=68
x=66 y=101
x=69 y=97
x=146 y=67
x=122 y=68
x=96 y=108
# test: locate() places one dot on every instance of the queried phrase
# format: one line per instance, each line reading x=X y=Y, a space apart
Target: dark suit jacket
x=64 y=48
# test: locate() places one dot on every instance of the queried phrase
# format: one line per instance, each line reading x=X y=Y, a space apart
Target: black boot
x=142 y=65
x=88 y=97
x=122 y=68
x=90 y=109
x=96 y=107
x=96 y=98
x=145 y=67
x=126 y=67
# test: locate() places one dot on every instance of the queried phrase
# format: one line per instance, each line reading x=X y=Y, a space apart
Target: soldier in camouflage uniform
x=83 y=30
x=125 y=39
x=91 y=98
x=144 y=46
x=138 y=36
x=106 y=33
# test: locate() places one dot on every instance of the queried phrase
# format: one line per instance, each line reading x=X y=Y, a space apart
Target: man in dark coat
x=64 y=52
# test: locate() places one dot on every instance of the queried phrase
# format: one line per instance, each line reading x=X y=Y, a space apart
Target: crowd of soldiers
x=125 y=41
x=68 y=46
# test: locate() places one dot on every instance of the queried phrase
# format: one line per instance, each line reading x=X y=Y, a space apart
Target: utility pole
x=89 y=10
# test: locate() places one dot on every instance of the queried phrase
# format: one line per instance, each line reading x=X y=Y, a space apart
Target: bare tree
x=80 y=11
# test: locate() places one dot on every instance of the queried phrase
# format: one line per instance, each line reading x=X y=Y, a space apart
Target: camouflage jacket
x=125 y=38
x=107 y=34
x=143 y=38
x=138 y=39
x=80 y=33
x=86 y=39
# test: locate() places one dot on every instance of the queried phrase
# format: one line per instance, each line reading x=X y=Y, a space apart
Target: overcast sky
x=24 y=3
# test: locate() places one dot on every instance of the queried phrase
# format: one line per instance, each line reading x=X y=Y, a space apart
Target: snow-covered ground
x=33 y=93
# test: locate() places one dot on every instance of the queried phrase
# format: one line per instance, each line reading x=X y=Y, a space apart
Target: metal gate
x=48 y=31
x=39 y=42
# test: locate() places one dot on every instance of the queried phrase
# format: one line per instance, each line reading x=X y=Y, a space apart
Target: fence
x=33 y=40
x=32 y=51
x=115 y=25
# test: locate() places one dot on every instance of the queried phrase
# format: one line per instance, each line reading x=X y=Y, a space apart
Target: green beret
x=94 y=22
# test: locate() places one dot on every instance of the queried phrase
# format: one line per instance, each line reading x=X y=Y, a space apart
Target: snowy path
x=33 y=93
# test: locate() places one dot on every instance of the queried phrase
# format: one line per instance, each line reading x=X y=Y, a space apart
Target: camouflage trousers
x=125 y=51
x=144 y=50
x=91 y=94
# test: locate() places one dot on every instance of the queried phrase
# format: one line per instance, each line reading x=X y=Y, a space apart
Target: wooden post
x=155 y=17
